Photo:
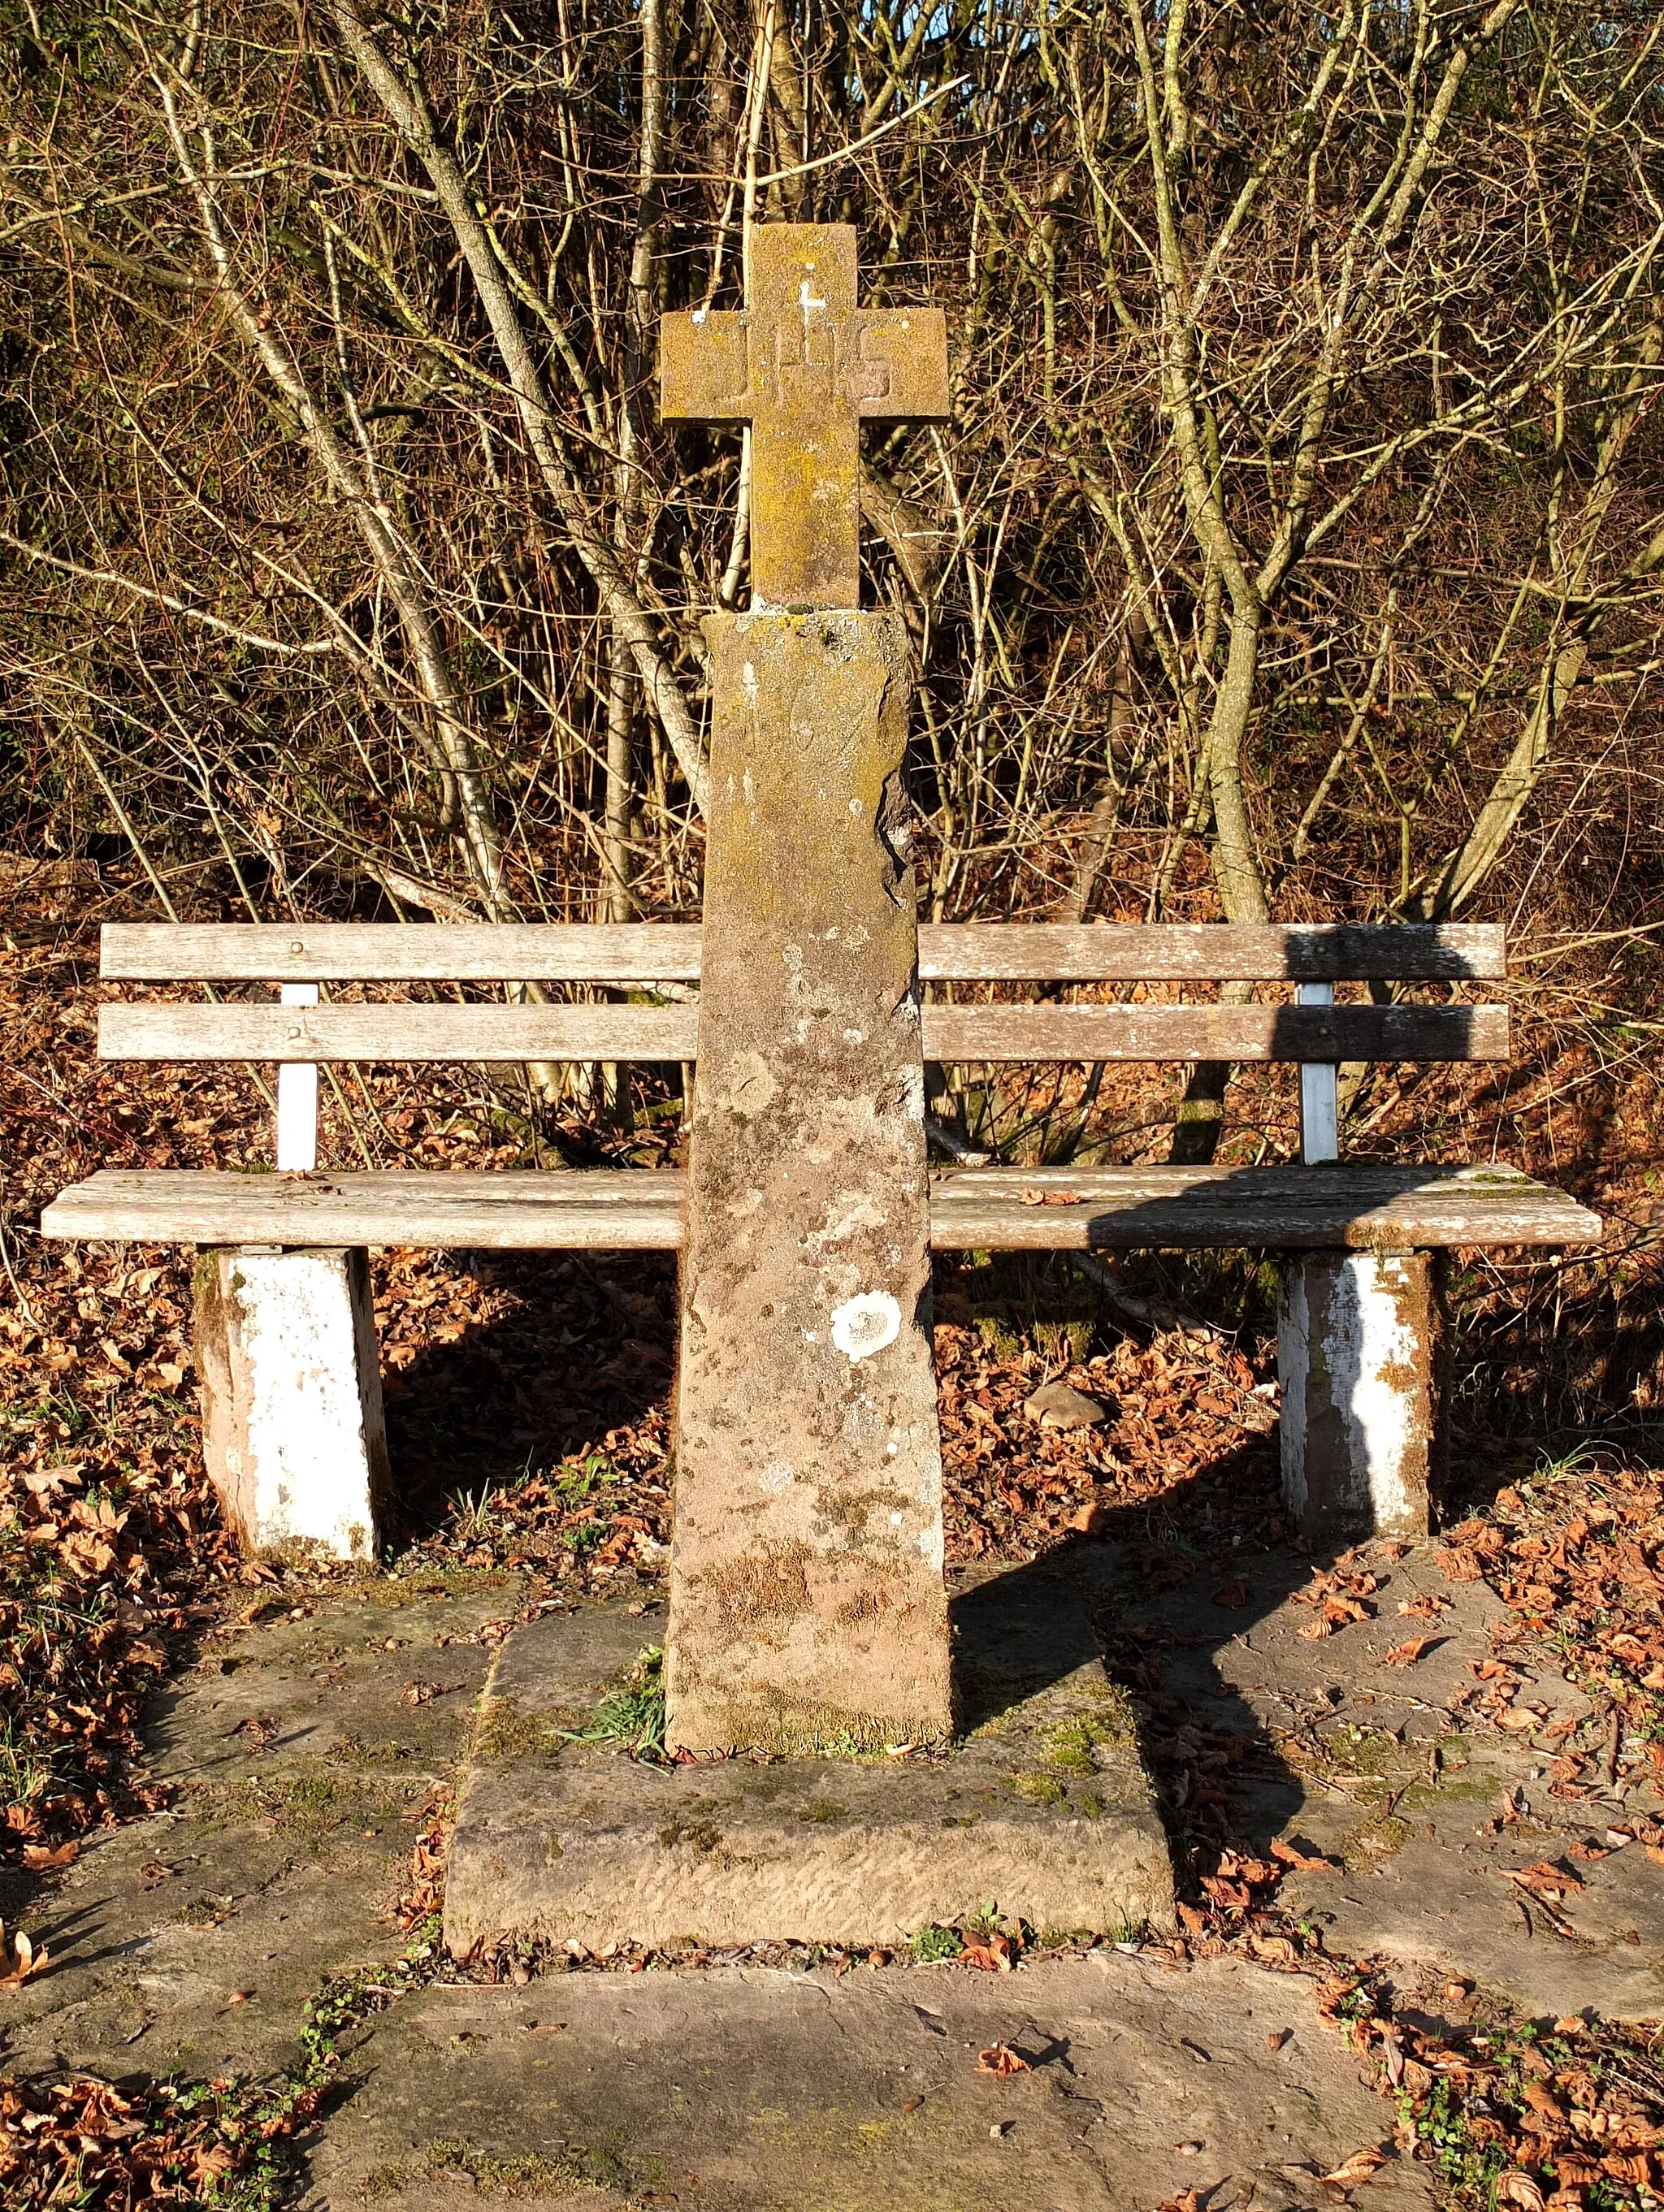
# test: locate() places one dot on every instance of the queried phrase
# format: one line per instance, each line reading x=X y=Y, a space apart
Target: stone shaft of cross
x=807 y=1608
x=805 y=366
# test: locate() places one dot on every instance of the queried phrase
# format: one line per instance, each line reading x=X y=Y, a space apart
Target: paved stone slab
x=807 y=1605
x=756 y=2091
x=1043 y=1810
x=1426 y=1817
x=295 y=1767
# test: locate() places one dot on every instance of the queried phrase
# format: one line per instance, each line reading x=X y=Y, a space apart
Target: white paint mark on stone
x=895 y=1518
x=865 y=1324
x=777 y=1476
x=931 y=1549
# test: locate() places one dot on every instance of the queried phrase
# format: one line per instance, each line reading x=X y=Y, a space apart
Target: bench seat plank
x=578 y=1210
x=645 y=952
x=155 y=1029
x=1354 y=1206
x=1286 y=1208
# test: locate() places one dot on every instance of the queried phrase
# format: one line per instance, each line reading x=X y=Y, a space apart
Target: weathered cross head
x=805 y=366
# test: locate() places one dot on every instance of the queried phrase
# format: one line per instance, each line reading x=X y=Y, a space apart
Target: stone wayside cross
x=807 y=1608
x=805 y=366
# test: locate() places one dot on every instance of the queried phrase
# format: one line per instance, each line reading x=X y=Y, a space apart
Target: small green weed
x=472 y=1512
x=1470 y=2165
x=631 y=1718
x=1582 y=1459
x=581 y=1478
x=933 y=1943
x=24 y=1775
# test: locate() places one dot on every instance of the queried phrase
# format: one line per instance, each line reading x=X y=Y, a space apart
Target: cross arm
x=899 y=373
x=703 y=374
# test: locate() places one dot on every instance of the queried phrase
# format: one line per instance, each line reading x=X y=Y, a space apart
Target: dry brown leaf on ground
x=1352 y=2172
x=20 y=1957
x=1406 y=1655
x=1519 y=2190
x=1426 y=1607
x=993 y=1955
x=1000 y=2058
x=1302 y=1862
x=41 y=1859
x=1543 y=1880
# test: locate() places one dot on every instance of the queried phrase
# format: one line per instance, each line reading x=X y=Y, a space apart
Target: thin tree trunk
x=407 y=107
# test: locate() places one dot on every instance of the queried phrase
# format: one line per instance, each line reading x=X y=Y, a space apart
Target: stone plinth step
x=1042 y=1809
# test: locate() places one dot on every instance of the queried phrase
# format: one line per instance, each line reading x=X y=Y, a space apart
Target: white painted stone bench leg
x=1358 y=1345
x=1358 y=1358
x=293 y=1433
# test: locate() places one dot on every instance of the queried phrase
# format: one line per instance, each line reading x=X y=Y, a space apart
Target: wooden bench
x=281 y=1284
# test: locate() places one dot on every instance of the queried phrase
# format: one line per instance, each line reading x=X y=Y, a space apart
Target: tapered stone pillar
x=807 y=1600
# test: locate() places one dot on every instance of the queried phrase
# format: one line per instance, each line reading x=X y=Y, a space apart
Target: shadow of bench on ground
x=1019 y=1630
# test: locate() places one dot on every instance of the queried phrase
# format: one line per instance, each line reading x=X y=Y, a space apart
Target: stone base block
x=1043 y=1809
x=291 y=1398
x=1359 y=1345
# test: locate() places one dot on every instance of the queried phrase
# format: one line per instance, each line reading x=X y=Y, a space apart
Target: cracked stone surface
x=191 y=1939
x=1358 y=1758
x=740 y=2090
x=1042 y=1807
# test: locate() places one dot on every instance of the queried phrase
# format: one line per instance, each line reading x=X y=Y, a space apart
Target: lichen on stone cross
x=805 y=366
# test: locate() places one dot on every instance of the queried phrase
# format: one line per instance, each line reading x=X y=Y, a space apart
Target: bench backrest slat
x=157 y=1031
x=297 y=1098
x=311 y=952
x=1319 y=1091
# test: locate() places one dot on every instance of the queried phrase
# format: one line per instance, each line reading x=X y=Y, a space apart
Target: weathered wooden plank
x=1193 y=1224
x=157 y=1031
x=1209 y=951
x=1227 y=1033
x=1281 y=1208
x=153 y=1031
x=162 y=952
x=1289 y=1182
x=389 y=1186
x=622 y=1210
x=392 y=952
